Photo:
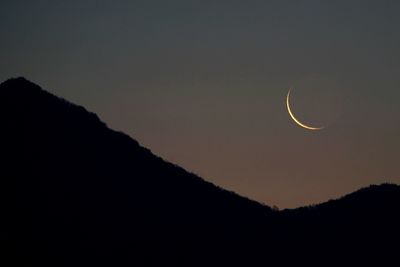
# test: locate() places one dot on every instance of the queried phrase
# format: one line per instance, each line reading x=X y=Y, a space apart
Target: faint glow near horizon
x=203 y=84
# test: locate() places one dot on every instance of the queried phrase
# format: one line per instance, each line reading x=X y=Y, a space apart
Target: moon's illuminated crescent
x=295 y=119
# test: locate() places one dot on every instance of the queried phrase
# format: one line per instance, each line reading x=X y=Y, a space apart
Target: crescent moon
x=295 y=119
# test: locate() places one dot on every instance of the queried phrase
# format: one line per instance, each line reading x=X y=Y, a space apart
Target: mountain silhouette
x=77 y=193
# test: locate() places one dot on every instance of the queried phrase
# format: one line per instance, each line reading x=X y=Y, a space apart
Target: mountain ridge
x=23 y=83
x=74 y=190
x=49 y=117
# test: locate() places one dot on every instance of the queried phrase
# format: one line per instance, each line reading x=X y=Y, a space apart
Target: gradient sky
x=203 y=84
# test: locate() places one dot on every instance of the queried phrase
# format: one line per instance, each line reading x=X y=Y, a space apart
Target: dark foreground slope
x=75 y=190
x=76 y=193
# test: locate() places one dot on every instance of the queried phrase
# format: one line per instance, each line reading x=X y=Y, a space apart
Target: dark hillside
x=75 y=193
x=73 y=182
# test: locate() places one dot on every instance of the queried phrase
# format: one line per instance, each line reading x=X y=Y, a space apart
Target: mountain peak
x=27 y=101
x=20 y=91
x=19 y=83
x=20 y=79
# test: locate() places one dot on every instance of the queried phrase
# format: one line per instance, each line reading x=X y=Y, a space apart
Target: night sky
x=203 y=84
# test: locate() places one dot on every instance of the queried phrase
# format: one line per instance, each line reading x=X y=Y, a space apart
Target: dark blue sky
x=203 y=84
